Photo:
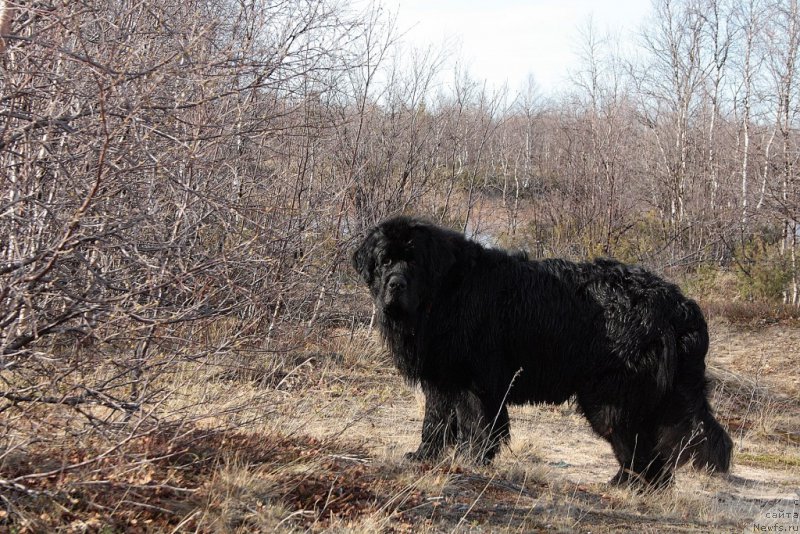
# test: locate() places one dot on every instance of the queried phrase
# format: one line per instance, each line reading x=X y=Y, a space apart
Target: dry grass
x=752 y=313
x=313 y=441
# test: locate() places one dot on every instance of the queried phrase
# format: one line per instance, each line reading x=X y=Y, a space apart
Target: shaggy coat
x=481 y=328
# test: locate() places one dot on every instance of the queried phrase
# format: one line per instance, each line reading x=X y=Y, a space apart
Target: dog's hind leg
x=635 y=446
x=641 y=465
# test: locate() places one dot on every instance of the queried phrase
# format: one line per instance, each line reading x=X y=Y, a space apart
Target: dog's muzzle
x=395 y=294
x=396 y=284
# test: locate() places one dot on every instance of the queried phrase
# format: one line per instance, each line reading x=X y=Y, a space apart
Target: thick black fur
x=481 y=328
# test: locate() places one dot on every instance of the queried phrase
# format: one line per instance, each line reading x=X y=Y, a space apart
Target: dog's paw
x=423 y=454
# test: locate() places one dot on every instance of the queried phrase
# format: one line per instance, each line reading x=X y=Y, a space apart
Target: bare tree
x=669 y=87
x=783 y=70
x=719 y=34
x=161 y=178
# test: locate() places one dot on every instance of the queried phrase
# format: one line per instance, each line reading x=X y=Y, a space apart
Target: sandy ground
x=755 y=395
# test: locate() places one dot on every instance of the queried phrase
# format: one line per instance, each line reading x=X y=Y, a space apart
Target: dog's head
x=402 y=260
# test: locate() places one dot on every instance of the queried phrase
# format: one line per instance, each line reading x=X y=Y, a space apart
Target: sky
x=505 y=41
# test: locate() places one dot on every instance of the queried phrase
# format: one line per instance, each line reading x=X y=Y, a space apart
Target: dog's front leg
x=439 y=426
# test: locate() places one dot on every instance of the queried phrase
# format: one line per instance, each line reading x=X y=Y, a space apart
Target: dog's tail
x=681 y=353
x=692 y=335
x=715 y=448
x=698 y=436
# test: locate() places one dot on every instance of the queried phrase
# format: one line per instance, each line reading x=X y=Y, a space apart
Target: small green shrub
x=638 y=239
x=762 y=272
x=705 y=282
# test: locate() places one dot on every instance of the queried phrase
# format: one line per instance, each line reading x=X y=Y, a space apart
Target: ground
x=326 y=454
x=554 y=472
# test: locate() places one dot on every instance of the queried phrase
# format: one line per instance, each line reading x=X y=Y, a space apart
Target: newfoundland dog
x=480 y=328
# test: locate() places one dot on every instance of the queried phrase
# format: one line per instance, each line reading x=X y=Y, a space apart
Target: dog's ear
x=363 y=261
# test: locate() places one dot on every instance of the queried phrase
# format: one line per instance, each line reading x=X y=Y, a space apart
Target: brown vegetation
x=182 y=181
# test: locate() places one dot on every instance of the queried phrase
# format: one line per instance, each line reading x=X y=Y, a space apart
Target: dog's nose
x=397 y=284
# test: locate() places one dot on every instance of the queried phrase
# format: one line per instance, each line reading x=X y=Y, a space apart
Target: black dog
x=480 y=328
